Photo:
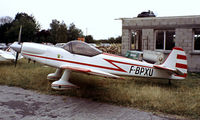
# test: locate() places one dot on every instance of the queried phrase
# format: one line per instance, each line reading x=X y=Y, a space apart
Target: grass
x=182 y=98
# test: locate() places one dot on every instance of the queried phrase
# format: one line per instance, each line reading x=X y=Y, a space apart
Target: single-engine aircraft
x=82 y=57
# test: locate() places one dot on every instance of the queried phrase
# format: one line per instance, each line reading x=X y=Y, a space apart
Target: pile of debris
x=112 y=48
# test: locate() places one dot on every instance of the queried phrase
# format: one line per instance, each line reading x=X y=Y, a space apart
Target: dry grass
x=182 y=98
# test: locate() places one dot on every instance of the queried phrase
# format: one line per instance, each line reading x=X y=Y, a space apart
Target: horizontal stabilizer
x=176 y=71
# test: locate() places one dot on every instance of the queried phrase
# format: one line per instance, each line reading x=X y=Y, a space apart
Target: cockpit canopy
x=81 y=48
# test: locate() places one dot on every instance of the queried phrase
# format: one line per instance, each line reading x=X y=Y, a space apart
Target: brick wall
x=126 y=40
x=148 y=39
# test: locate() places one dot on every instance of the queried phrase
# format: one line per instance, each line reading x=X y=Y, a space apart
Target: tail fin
x=175 y=64
x=177 y=60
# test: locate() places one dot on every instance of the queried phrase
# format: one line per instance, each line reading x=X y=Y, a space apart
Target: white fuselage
x=57 y=57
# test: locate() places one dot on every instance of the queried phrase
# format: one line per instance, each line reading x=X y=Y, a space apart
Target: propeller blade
x=19 y=37
x=16 y=58
x=17 y=47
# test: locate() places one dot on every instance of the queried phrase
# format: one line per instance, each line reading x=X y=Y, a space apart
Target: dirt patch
x=17 y=103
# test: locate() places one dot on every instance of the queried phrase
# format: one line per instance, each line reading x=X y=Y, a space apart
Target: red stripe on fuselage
x=91 y=65
x=182 y=57
x=56 y=59
x=113 y=61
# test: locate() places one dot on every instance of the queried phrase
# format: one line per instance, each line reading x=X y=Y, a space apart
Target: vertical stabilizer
x=177 y=60
x=175 y=64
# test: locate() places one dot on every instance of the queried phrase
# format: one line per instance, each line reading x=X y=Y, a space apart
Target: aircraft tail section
x=176 y=63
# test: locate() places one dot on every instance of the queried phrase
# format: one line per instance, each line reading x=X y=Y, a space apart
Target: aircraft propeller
x=16 y=46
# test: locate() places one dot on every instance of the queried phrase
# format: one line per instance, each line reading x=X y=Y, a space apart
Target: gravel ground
x=19 y=104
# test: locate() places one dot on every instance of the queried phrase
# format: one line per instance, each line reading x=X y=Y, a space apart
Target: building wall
x=148 y=39
x=183 y=26
x=184 y=39
x=126 y=40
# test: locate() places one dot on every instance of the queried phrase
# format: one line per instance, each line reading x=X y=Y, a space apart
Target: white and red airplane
x=82 y=57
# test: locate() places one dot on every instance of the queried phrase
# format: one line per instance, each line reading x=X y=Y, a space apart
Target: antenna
x=86 y=33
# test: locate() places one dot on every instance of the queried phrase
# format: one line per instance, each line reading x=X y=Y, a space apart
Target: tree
x=29 y=28
x=111 y=40
x=118 y=39
x=89 y=39
x=63 y=37
x=5 y=24
x=115 y=40
x=43 y=36
x=74 y=33
x=5 y=20
x=58 y=32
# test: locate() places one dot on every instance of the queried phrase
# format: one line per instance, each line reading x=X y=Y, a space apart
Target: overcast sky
x=97 y=16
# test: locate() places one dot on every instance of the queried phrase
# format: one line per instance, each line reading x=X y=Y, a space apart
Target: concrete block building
x=162 y=34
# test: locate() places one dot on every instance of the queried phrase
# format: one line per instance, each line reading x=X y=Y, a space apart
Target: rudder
x=177 y=60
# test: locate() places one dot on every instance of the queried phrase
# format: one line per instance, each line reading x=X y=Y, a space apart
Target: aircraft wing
x=7 y=56
x=176 y=71
x=91 y=71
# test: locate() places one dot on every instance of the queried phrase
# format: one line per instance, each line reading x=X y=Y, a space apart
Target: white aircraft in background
x=8 y=55
x=82 y=57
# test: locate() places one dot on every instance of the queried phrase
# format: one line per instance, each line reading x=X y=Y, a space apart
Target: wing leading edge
x=7 y=56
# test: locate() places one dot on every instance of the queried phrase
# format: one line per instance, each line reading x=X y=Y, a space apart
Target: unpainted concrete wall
x=183 y=26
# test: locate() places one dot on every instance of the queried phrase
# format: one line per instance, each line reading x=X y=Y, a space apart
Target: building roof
x=192 y=21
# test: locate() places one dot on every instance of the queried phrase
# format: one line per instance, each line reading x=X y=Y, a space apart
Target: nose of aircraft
x=17 y=47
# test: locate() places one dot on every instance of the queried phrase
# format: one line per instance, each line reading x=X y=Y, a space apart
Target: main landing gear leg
x=56 y=75
x=169 y=82
x=63 y=83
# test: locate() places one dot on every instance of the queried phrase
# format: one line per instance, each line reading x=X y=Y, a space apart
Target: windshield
x=81 y=48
